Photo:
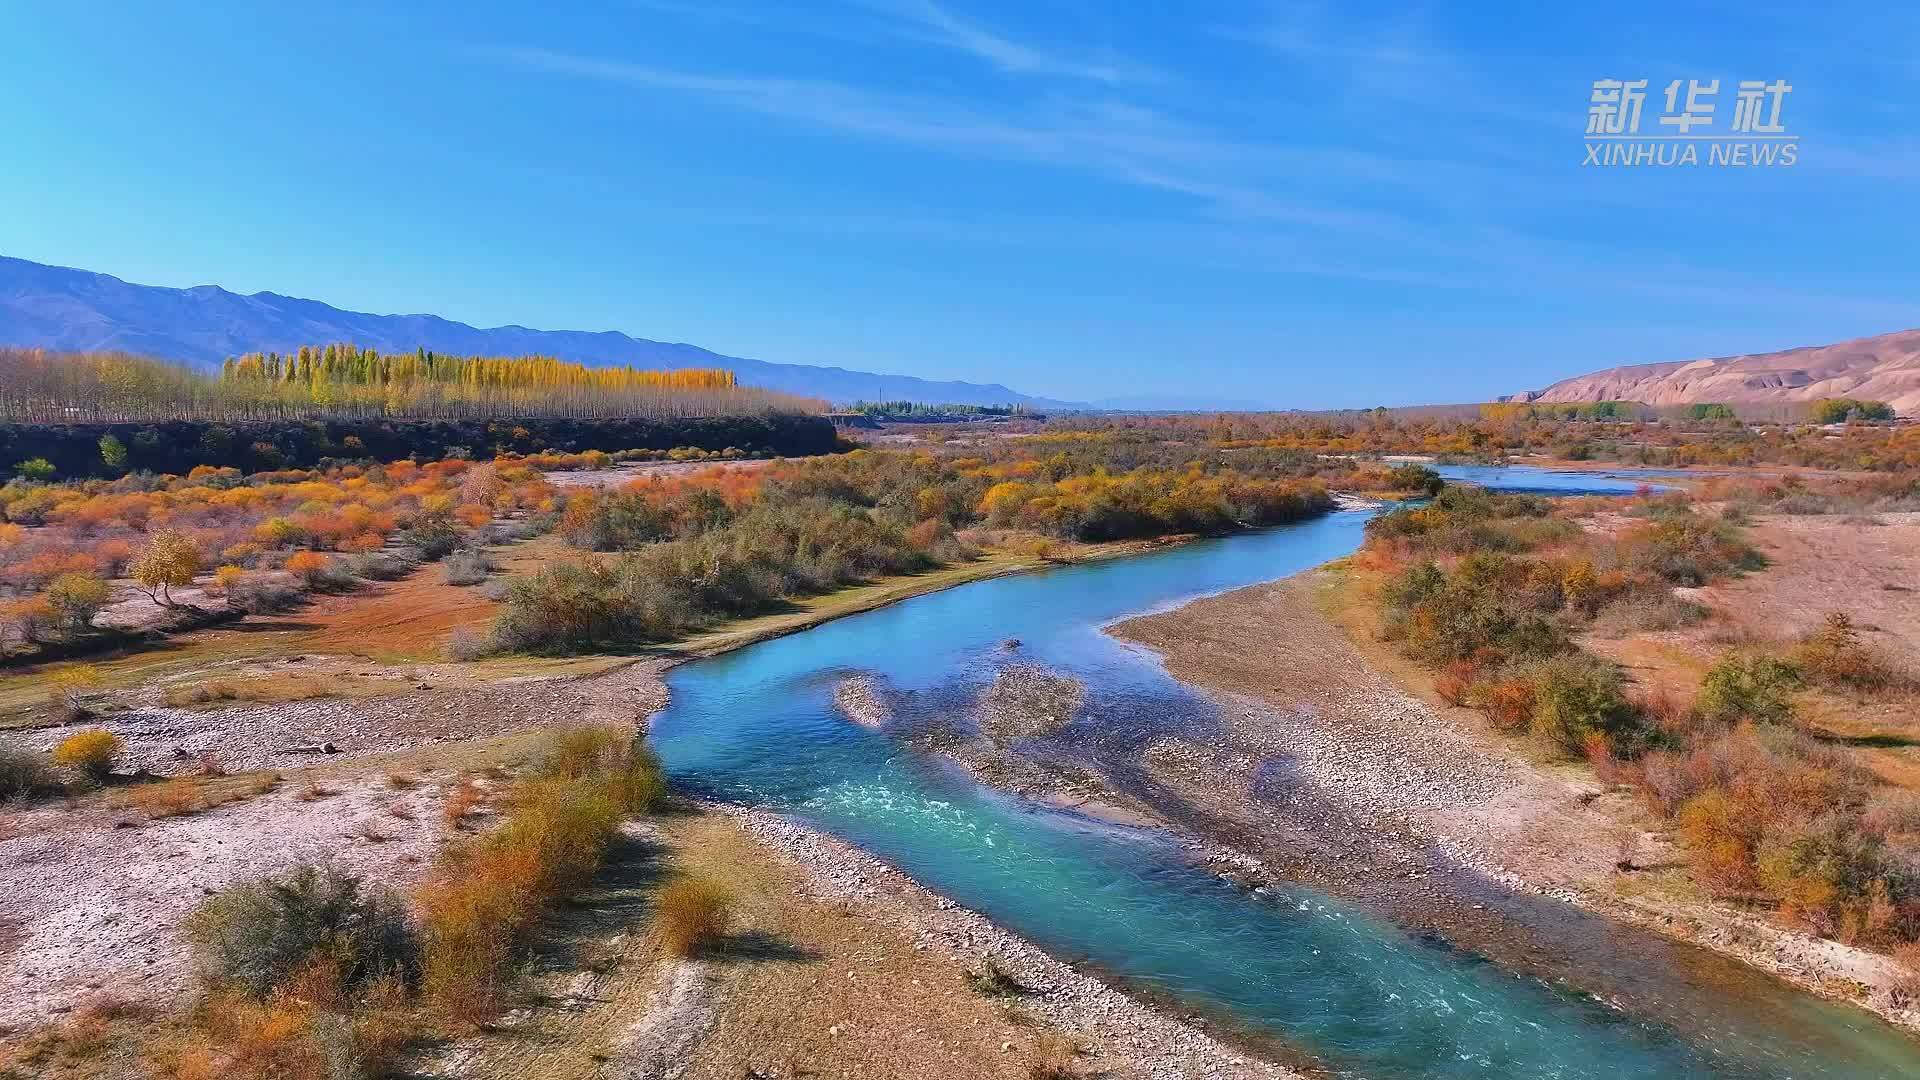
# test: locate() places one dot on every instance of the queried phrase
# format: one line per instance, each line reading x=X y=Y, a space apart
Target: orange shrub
x=308 y=566
x=1508 y=702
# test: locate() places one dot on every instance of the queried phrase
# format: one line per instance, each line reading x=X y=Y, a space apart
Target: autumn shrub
x=1477 y=609
x=29 y=618
x=691 y=915
x=1577 y=696
x=1685 y=548
x=308 y=566
x=486 y=893
x=630 y=768
x=1906 y=985
x=1507 y=698
x=1416 y=478
x=1454 y=681
x=1835 y=657
x=310 y=1029
x=1770 y=814
x=92 y=753
x=1748 y=685
x=77 y=598
x=254 y=936
x=225 y=577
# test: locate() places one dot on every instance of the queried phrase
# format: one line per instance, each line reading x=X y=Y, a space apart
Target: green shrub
x=1575 y=697
x=113 y=452
x=1481 y=607
x=1416 y=478
x=431 y=534
x=24 y=774
x=255 y=935
x=1749 y=686
x=467 y=566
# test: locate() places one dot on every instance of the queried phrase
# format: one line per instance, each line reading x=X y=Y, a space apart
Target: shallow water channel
x=1343 y=986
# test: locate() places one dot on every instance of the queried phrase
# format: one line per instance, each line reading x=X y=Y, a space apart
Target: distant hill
x=60 y=308
x=1884 y=368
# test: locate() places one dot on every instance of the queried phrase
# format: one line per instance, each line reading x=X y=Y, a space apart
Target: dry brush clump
x=486 y=893
x=255 y=936
x=1834 y=657
x=25 y=774
x=691 y=915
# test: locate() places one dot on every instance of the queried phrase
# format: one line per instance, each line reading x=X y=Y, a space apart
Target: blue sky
x=1329 y=204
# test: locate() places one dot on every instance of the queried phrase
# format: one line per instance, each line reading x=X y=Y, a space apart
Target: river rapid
x=1346 y=988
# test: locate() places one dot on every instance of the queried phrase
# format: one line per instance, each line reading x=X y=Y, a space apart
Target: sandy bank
x=1455 y=828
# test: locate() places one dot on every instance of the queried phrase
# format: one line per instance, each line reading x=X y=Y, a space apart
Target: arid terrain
x=1884 y=368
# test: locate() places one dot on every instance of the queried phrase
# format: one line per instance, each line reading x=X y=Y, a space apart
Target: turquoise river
x=1347 y=989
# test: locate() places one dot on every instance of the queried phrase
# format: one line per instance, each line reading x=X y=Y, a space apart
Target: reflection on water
x=759 y=726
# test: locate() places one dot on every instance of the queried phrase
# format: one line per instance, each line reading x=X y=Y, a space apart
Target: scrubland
x=355 y=694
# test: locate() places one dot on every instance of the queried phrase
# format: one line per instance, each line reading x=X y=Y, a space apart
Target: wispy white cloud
x=1129 y=144
x=931 y=24
x=928 y=21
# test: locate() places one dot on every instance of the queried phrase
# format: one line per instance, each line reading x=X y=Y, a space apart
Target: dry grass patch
x=312 y=790
x=487 y=893
x=268 y=690
x=692 y=915
x=174 y=797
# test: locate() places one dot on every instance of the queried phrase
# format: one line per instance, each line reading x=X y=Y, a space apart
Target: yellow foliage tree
x=168 y=561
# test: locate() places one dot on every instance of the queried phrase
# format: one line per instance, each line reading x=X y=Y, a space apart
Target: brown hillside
x=1883 y=368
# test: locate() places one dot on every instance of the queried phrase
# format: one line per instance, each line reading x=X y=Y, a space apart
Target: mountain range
x=57 y=307
x=1882 y=368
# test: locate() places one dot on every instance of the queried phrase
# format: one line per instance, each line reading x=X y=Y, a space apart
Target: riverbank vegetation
x=688 y=552
x=1496 y=593
x=1667 y=438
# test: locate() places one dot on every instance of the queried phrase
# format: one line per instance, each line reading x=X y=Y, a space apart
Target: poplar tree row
x=347 y=382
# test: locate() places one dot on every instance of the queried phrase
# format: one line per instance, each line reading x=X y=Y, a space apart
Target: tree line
x=344 y=382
